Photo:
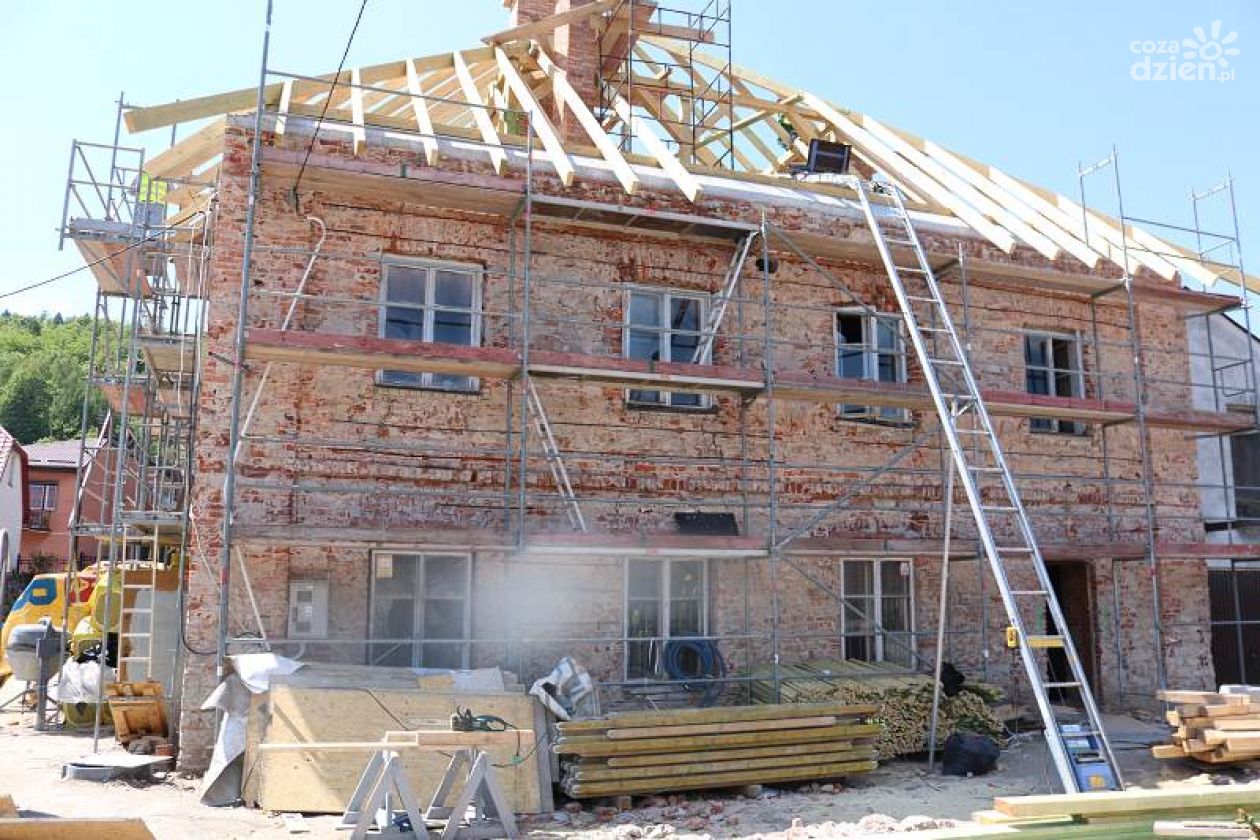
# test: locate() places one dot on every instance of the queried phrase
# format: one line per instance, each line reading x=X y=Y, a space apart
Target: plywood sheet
x=323 y=782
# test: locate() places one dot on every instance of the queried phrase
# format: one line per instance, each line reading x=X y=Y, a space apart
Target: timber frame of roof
x=479 y=94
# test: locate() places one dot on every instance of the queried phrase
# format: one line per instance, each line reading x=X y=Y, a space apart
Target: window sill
x=671 y=409
x=433 y=389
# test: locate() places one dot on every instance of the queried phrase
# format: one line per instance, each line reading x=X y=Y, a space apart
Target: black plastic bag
x=969 y=754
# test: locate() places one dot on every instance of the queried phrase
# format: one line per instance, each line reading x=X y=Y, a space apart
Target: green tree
x=24 y=403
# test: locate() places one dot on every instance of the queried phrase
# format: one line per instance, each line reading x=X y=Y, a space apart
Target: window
x=440 y=303
x=665 y=327
x=665 y=599
x=1244 y=456
x=420 y=607
x=876 y=611
x=870 y=347
x=1052 y=367
x=42 y=503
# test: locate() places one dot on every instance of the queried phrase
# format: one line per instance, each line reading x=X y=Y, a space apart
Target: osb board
x=324 y=782
x=62 y=828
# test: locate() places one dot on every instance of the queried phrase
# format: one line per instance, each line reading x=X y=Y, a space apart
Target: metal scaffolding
x=136 y=463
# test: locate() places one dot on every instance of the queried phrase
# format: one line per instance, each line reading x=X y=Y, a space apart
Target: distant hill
x=43 y=376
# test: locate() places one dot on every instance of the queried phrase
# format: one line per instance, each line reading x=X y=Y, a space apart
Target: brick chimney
x=573 y=48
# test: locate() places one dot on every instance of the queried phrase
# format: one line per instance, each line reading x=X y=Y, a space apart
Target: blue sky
x=1032 y=87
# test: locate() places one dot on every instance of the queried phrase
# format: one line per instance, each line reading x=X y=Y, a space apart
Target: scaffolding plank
x=295 y=346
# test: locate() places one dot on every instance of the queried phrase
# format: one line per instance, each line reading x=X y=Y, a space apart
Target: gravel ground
x=899 y=796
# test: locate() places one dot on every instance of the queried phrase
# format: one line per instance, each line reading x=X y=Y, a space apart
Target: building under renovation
x=587 y=341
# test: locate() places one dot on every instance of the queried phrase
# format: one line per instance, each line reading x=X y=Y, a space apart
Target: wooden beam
x=180 y=160
x=960 y=187
x=544 y=26
x=282 y=110
x=905 y=170
x=420 y=108
x=1164 y=800
x=356 y=111
x=244 y=99
x=480 y=115
x=642 y=129
x=1063 y=238
x=565 y=94
x=538 y=118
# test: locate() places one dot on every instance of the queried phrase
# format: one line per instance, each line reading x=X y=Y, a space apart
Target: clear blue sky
x=1032 y=87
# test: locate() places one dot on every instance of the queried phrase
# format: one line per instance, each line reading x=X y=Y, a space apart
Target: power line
x=83 y=267
x=328 y=99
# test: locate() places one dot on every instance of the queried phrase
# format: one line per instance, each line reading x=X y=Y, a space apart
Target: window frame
x=1052 y=425
x=658 y=640
x=877 y=633
x=418 y=600
x=476 y=274
x=40 y=518
x=871 y=353
x=665 y=298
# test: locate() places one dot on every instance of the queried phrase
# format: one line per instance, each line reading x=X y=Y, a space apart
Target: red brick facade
x=320 y=430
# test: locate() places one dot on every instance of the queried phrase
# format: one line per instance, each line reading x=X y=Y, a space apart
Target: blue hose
x=709 y=665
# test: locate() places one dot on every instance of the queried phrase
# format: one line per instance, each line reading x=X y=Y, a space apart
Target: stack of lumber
x=1211 y=727
x=1122 y=814
x=904 y=700
x=729 y=746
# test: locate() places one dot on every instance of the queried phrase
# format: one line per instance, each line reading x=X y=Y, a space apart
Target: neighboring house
x=1224 y=356
x=13 y=478
x=523 y=405
x=50 y=501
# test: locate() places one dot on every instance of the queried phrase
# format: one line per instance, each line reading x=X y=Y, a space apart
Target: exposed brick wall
x=335 y=427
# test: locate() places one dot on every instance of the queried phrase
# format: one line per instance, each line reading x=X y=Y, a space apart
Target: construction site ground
x=900 y=795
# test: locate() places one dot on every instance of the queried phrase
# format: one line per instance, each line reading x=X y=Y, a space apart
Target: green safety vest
x=151 y=190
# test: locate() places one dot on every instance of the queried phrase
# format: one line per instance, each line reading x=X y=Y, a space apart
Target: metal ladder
x=552 y=453
x=977 y=453
x=717 y=311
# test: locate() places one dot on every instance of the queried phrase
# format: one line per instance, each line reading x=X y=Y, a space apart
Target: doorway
x=1074 y=587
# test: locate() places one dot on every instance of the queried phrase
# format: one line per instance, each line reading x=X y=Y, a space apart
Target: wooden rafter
x=538 y=117
x=545 y=26
x=643 y=130
x=420 y=108
x=481 y=115
x=565 y=94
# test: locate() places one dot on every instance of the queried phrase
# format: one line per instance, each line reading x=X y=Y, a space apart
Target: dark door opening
x=1073 y=586
x=1235 y=611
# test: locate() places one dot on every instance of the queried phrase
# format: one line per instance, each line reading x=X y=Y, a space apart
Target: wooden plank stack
x=904 y=700
x=1211 y=727
x=727 y=746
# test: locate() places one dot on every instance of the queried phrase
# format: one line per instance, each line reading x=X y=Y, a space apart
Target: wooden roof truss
x=686 y=113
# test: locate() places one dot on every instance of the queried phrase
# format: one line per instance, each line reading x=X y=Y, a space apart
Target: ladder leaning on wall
x=1014 y=558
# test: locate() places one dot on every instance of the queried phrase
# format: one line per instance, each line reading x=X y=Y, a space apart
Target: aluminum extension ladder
x=551 y=451
x=1011 y=551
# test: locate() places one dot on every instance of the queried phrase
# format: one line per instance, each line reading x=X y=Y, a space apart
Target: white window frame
x=1056 y=426
x=417 y=645
x=876 y=595
x=663 y=636
x=664 y=297
x=870 y=364
x=427 y=379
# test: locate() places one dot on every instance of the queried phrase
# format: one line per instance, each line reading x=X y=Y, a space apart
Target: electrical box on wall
x=308 y=609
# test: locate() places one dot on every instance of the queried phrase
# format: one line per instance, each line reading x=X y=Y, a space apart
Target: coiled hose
x=709 y=666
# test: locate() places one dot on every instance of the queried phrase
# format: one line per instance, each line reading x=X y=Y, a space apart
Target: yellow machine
x=45 y=596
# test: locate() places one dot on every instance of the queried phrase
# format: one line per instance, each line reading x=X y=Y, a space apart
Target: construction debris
x=693 y=749
x=1212 y=727
x=903 y=701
